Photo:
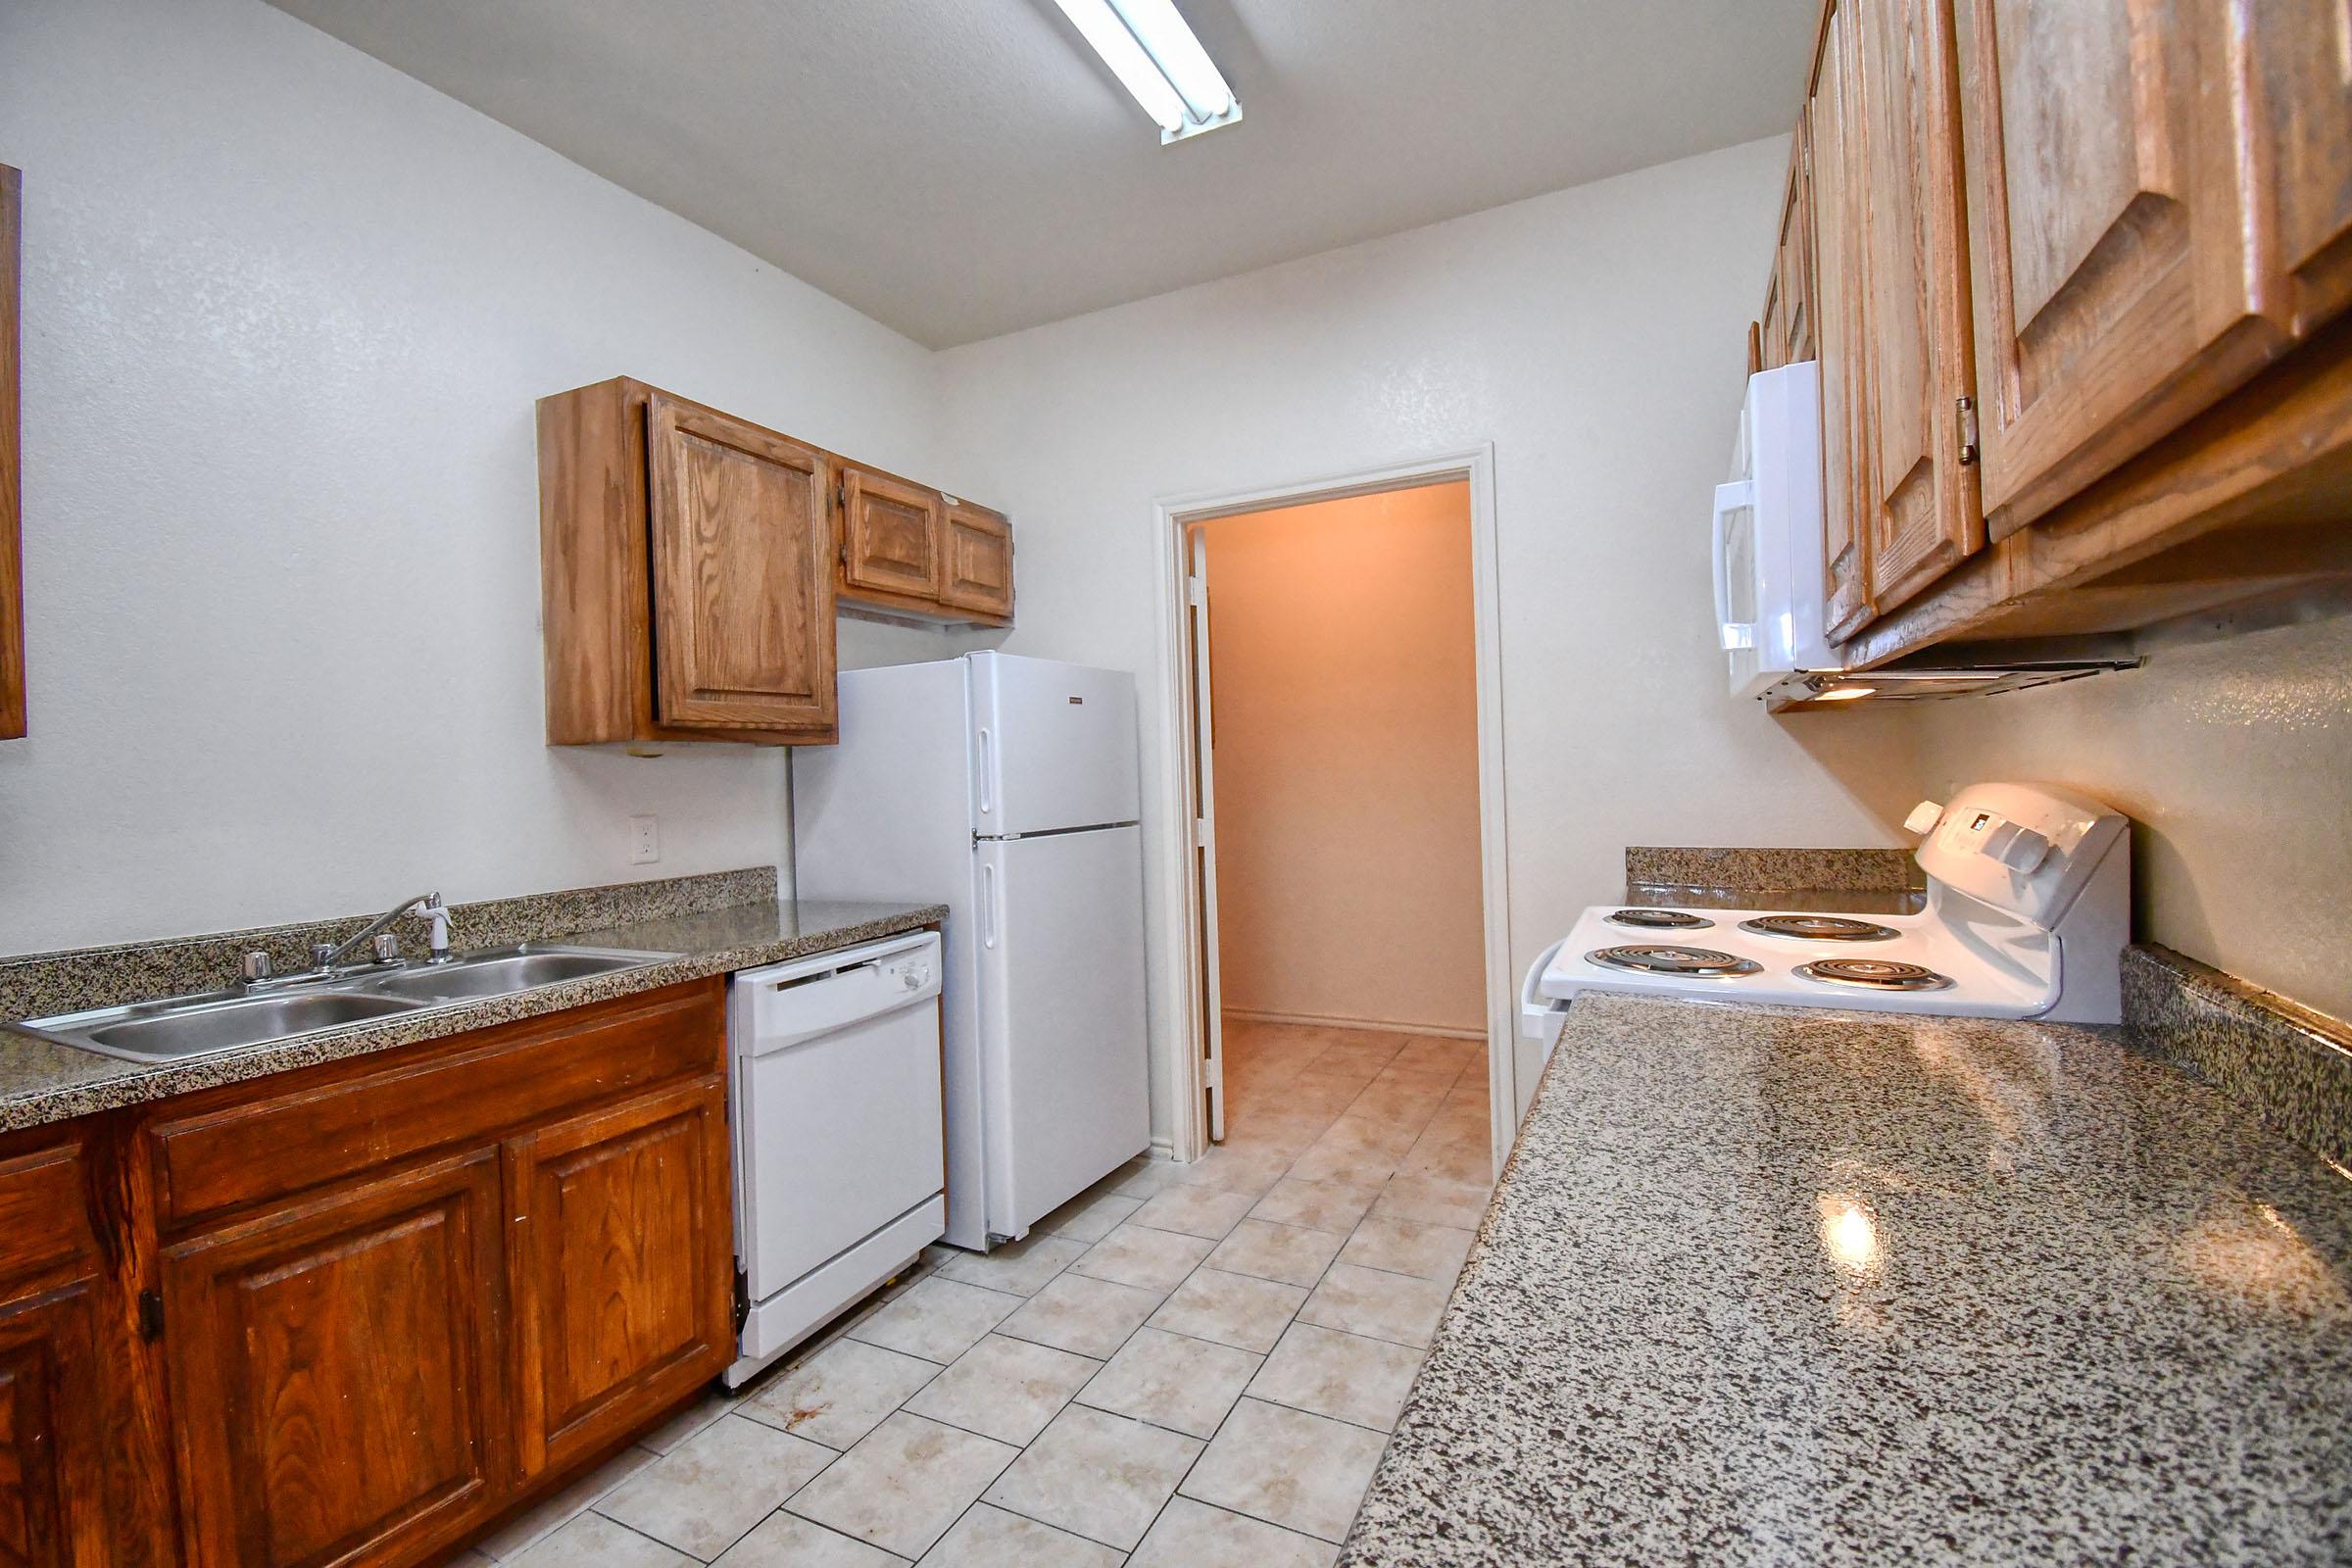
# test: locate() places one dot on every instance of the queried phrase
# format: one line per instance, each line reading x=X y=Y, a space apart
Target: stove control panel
x=2024 y=847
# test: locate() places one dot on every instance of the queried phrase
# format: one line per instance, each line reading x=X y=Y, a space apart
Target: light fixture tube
x=1169 y=42
x=1156 y=58
x=1108 y=37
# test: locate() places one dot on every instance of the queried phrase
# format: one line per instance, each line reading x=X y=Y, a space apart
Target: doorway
x=1335 y=737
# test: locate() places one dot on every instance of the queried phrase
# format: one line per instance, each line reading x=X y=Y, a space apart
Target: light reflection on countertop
x=1767 y=1286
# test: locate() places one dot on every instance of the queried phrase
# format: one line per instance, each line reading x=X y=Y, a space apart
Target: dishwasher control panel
x=910 y=971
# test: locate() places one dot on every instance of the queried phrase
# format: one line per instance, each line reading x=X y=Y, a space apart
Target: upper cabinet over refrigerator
x=1054 y=745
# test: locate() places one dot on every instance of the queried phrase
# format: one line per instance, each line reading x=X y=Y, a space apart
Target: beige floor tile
x=1148 y=1258
x=1194 y=1535
x=1295 y=1254
x=698 y=1414
x=1347 y=1164
x=1092 y=1215
x=938 y=1320
x=1345 y=1376
x=1428 y=1201
x=1319 y=1206
x=1233 y=1310
x=1449 y=1161
x=1004 y=1389
x=1082 y=1314
x=1299 y=1471
x=591 y=1541
x=1195 y=1210
x=703 y=1496
x=1401 y=1246
x=785 y=1540
x=1145 y=1178
x=840 y=1393
x=1173 y=1381
x=1019 y=1268
x=1383 y=1307
x=1098 y=1475
x=1238 y=1170
x=991 y=1537
x=905 y=1485
x=559 y=1507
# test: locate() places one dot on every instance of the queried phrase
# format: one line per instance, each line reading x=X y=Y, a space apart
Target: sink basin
x=201 y=1028
x=496 y=974
x=177 y=1028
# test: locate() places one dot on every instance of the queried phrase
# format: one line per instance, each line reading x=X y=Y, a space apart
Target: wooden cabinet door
x=1835 y=145
x=52 y=1446
x=2116 y=214
x=978 y=572
x=623 y=1252
x=335 y=1384
x=1921 y=502
x=1788 y=321
x=890 y=539
x=742 y=574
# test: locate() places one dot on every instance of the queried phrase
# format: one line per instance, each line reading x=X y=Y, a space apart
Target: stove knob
x=2020 y=848
x=1923 y=817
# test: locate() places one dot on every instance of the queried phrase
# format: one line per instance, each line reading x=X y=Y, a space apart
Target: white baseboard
x=1379 y=1025
x=1163 y=1149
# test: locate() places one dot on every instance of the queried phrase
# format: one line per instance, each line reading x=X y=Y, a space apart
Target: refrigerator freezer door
x=1052 y=747
x=1059 y=927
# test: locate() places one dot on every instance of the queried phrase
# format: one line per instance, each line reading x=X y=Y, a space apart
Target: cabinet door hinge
x=743 y=1300
x=151 y=1315
x=1968 y=430
x=1215 y=1073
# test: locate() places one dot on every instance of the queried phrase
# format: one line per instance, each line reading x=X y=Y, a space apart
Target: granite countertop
x=42 y=1081
x=1765 y=1286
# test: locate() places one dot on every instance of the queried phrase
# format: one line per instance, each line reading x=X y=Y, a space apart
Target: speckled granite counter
x=42 y=1081
x=1793 y=1287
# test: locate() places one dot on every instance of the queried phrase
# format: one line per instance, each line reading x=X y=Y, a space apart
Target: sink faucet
x=324 y=956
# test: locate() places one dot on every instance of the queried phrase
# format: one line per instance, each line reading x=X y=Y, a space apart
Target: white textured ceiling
x=963 y=167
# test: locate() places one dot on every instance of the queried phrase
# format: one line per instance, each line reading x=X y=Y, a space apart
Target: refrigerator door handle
x=988 y=905
x=988 y=769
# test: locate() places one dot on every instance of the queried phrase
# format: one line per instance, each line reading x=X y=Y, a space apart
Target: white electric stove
x=2027 y=913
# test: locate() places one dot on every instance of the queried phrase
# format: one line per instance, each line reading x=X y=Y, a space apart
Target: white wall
x=1596 y=337
x=286 y=312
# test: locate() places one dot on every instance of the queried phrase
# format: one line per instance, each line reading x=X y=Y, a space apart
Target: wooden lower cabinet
x=349 y=1315
x=334 y=1373
x=622 y=1268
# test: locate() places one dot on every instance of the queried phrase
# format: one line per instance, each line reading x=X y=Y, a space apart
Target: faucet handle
x=256 y=965
x=322 y=954
x=387 y=947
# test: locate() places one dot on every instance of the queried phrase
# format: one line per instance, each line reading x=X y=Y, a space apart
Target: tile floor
x=1188 y=1367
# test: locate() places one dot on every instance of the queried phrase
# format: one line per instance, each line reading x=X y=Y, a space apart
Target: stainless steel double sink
x=177 y=1028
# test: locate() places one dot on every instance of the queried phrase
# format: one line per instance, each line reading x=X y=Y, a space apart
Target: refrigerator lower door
x=1060 y=929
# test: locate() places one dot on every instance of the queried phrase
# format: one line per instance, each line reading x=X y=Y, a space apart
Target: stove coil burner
x=1648 y=958
x=1660 y=919
x=1819 y=928
x=1873 y=974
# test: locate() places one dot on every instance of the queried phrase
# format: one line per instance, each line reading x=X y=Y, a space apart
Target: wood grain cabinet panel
x=978 y=570
x=1830 y=132
x=742 y=579
x=53 y=1458
x=892 y=540
x=12 y=458
x=622 y=1268
x=1922 y=497
x=1786 y=328
x=2157 y=190
x=337 y=1396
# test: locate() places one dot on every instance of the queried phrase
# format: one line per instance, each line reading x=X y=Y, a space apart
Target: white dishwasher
x=839 y=1168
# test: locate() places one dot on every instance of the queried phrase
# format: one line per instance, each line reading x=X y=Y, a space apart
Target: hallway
x=1197 y=1364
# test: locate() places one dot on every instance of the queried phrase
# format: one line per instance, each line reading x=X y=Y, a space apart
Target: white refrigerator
x=1004 y=788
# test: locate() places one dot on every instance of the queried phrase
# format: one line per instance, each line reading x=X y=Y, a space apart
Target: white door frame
x=1180 y=903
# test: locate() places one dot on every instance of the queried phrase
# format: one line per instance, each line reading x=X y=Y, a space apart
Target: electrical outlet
x=644 y=839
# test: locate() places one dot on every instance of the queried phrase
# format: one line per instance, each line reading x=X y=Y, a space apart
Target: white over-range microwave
x=1769 y=583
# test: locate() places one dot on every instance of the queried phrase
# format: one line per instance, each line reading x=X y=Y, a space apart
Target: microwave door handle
x=1730 y=498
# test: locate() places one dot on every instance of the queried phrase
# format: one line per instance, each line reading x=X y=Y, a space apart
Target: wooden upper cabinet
x=2160 y=200
x=1833 y=148
x=978 y=566
x=336 y=1391
x=1786 y=330
x=11 y=489
x=1921 y=496
x=622 y=1296
x=686 y=573
x=892 y=540
x=742 y=579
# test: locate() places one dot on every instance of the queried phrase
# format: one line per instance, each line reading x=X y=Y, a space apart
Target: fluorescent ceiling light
x=1156 y=59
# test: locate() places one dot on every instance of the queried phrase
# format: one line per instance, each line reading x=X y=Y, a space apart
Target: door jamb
x=1180 y=905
